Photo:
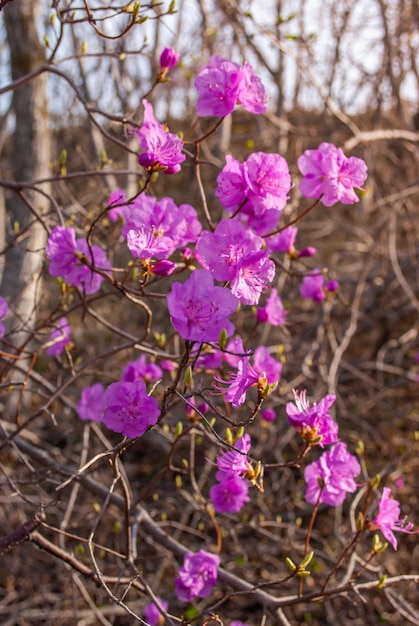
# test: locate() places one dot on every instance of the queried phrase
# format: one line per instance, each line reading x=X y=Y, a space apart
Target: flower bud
x=168 y=59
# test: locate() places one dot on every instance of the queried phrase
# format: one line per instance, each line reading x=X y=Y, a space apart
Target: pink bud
x=306 y=252
x=168 y=59
x=163 y=268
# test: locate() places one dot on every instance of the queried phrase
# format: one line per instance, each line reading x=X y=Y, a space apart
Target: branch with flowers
x=199 y=402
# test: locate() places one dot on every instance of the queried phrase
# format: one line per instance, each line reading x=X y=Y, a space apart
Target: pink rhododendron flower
x=234 y=351
x=221 y=84
x=230 y=495
x=327 y=172
x=117 y=197
x=273 y=312
x=233 y=253
x=234 y=462
x=235 y=388
x=163 y=268
x=59 y=338
x=313 y=422
x=129 y=409
x=197 y=576
x=314 y=287
x=199 y=310
x=146 y=243
x=160 y=149
x=331 y=477
x=283 y=241
x=388 y=519
x=91 y=404
x=141 y=370
x=168 y=60
x=266 y=365
x=268 y=415
x=152 y=613
x=63 y=252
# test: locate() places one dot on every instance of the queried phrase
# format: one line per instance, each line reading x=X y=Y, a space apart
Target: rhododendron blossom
x=233 y=253
x=152 y=613
x=234 y=462
x=129 y=409
x=328 y=173
x=230 y=495
x=141 y=370
x=331 y=477
x=168 y=60
x=388 y=519
x=222 y=84
x=235 y=388
x=91 y=403
x=64 y=252
x=273 y=312
x=197 y=576
x=199 y=310
x=59 y=338
x=314 y=423
x=160 y=149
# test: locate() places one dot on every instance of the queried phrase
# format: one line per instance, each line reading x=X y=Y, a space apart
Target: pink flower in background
x=91 y=404
x=129 y=409
x=117 y=197
x=388 y=519
x=160 y=149
x=199 y=310
x=266 y=365
x=222 y=84
x=312 y=287
x=268 y=415
x=230 y=495
x=327 y=172
x=273 y=312
x=331 y=477
x=63 y=251
x=141 y=370
x=152 y=613
x=283 y=241
x=168 y=60
x=313 y=421
x=235 y=388
x=197 y=576
x=59 y=338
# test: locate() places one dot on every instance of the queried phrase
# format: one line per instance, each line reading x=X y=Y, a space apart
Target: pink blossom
x=117 y=197
x=141 y=370
x=266 y=365
x=314 y=423
x=129 y=409
x=59 y=338
x=152 y=613
x=199 y=310
x=235 y=388
x=268 y=415
x=268 y=181
x=197 y=576
x=145 y=243
x=312 y=286
x=234 y=462
x=388 y=519
x=221 y=84
x=91 y=404
x=273 y=312
x=230 y=495
x=160 y=149
x=331 y=477
x=168 y=60
x=283 y=241
x=327 y=172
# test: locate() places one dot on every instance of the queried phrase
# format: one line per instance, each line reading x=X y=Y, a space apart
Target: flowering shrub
x=189 y=278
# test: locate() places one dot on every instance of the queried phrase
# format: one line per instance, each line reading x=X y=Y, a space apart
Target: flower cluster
x=222 y=84
x=197 y=576
x=233 y=253
x=259 y=187
x=199 y=310
x=66 y=255
x=331 y=477
x=231 y=492
x=329 y=174
x=161 y=150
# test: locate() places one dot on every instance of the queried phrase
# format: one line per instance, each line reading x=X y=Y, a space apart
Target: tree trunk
x=31 y=153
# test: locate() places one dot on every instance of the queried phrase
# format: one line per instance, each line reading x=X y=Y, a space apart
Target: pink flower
x=235 y=388
x=129 y=409
x=388 y=519
x=197 y=576
x=141 y=370
x=266 y=365
x=145 y=243
x=4 y=309
x=221 y=84
x=268 y=415
x=283 y=241
x=168 y=60
x=59 y=338
x=116 y=200
x=312 y=287
x=331 y=477
x=273 y=312
x=314 y=423
x=268 y=181
x=234 y=462
x=160 y=149
x=327 y=172
x=199 y=310
x=91 y=404
x=229 y=496
x=152 y=613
